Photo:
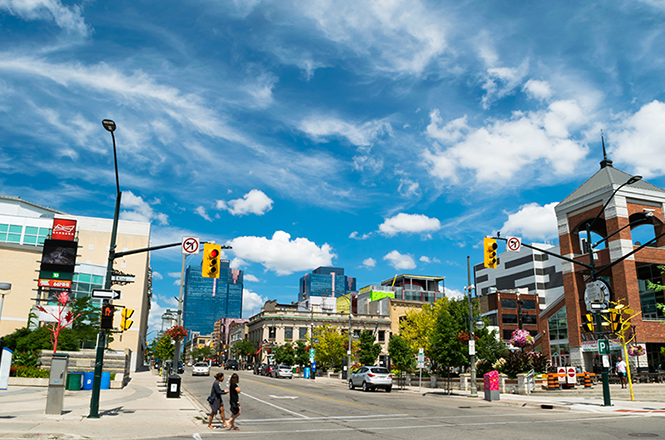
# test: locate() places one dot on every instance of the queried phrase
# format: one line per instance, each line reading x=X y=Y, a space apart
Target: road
x=284 y=409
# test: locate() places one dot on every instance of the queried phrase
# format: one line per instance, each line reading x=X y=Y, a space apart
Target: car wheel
x=365 y=387
x=290 y=377
x=351 y=385
x=389 y=389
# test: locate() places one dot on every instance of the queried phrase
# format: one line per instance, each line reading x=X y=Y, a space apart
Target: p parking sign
x=603 y=347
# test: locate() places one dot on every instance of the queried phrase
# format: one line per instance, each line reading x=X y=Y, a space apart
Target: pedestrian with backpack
x=215 y=401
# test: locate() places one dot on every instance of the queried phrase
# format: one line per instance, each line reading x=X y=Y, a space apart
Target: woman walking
x=216 y=403
x=234 y=390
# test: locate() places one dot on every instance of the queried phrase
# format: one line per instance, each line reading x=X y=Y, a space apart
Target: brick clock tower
x=637 y=204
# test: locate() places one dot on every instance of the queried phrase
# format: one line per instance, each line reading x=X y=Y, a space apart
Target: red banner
x=63 y=229
x=63 y=284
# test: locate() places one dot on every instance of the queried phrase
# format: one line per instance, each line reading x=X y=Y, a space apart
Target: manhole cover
x=642 y=434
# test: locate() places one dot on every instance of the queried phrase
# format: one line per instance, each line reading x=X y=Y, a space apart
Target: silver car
x=201 y=369
x=282 y=371
x=371 y=378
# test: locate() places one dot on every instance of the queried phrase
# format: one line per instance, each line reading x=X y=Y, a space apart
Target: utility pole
x=472 y=337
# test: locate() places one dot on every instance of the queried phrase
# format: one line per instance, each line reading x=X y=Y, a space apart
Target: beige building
x=23 y=228
x=278 y=323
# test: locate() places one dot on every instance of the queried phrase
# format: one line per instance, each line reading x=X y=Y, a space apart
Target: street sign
x=312 y=353
x=513 y=244
x=603 y=347
x=190 y=245
x=106 y=294
x=561 y=372
x=472 y=347
x=572 y=377
x=122 y=278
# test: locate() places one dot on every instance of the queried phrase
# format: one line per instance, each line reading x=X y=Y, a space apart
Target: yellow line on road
x=322 y=397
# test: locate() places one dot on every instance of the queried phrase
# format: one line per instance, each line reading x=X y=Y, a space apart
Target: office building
x=326 y=282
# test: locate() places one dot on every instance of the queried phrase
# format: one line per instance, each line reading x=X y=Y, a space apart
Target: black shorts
x=235 y=409
x=622 y=374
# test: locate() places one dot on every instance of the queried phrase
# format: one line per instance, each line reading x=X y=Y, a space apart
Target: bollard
x=552 y=381
x=587 y=380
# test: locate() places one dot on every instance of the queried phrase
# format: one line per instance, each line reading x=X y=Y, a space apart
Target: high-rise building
x=326 y=281
x=209 y=299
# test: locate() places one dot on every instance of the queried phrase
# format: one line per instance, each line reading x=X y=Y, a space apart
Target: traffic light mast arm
x=588 y=266
x=154 y=248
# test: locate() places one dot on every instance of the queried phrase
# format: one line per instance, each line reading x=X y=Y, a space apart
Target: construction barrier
x=552 y=381
x=587 y=380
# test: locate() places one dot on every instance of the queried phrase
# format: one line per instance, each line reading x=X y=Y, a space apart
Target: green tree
x=330 y=349
x=301 y=354
x=244 y=348
x=162 y=348
x=447 y=348
x=285 y=354
x=368 y=350
x=87 y=325
x=418 y=326
x=401 y=354
x=202 y=353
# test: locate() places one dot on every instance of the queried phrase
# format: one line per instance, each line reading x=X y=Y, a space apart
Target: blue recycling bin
x=106 y=381
x=88 y=377
x=306 y=372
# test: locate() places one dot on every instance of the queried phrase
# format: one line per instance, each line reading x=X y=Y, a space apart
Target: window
x=14 y=234
x=356 y=334
x=528 y=304
x=507 y=303
x=509 y=319
x=382 y=335
x=558 y=326
x=302 y=333
x=507 y=334
x=493 y=319
x=529 y=319
x=272 y=332
x=288 y=333
x=649 y=297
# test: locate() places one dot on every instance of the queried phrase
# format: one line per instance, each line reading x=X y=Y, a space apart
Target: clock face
x=596 y=292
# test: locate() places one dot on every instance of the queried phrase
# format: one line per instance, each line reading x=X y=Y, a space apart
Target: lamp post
x=110 y=126
x=476 y=322
x=5 y=288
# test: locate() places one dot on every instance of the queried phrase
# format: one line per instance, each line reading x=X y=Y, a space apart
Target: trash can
x=173 y=389
x=88 y=377
x=74 y=381
x=106 y=381
x=306 y=372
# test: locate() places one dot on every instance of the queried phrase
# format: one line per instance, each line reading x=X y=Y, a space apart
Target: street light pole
x=110 y=126
x=472 y=341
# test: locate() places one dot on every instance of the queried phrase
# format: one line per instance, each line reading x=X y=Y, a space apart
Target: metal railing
x=531 y=381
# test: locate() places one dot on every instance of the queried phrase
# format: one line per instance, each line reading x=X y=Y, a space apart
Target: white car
x=282 y=371
x=371 y=378
x=201 y=369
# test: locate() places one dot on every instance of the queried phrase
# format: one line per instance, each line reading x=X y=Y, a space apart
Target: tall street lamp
x=476 y=322
x=110 y=126
x=5 y=288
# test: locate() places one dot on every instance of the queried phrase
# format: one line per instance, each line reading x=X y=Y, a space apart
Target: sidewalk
x=649 y=398
x=140 y=410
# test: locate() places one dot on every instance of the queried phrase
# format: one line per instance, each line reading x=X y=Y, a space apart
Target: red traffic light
x=214 y=253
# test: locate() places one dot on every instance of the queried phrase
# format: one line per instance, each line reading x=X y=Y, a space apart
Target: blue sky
x=383 y=137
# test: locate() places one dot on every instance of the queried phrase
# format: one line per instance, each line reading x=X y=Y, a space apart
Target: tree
x=202 y=353
x=448 y=349
x=162 y=348
x=63 y=317
x=401 y=354
x=368 y=350
x=244 y=348
x=330 y=349
x=301 y=354
x=87 y=326
x=418 y=326
x=285 y=354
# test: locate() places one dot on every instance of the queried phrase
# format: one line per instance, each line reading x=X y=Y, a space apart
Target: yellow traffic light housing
x=212 y=253
x=489 y=250
x=615 y=321
x=588 y=323
x=126 y=323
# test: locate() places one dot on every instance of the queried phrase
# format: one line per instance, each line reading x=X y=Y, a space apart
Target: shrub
x=28 y=358
x=31 y=372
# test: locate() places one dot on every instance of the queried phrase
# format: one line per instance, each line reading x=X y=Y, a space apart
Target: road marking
x=317 y=396
x=273 y=405
x=283 y=397
x=321 y=419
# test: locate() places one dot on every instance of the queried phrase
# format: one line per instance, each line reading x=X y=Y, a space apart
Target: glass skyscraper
x=210 y=299
x=326 y=281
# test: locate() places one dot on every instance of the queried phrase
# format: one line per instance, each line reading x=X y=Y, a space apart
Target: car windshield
x=284 y=367
x=380 y=370
x=200 y=364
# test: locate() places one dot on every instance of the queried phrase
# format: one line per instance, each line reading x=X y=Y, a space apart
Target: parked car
x=201 y=369
x=282 y=371
x=258 y=368
x=266 y=369
x=232 y=364
x=181 y=367
x=371 y=378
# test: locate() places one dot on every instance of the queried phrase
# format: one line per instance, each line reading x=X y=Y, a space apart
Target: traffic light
x=588 y=323
x=615 y=322
x=489 y=248
x=126 y=323
x=211 y=256
x=107 y=316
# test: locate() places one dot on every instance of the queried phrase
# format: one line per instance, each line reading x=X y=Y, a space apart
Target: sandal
x=235 y=428
x=211 y=427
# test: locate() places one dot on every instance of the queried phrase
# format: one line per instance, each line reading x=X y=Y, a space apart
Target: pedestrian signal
x=126 y=323
x=489 y=248
x=212 y=253
x=107 y=317
x=588 y=323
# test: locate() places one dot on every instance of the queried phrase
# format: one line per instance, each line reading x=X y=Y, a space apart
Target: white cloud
x=237 y=263
x=369 y=263
x=533 y=222
x=261 y=89
x=281 y=254
x=202 y=212
x=157 y=275
x=355 y=235
x=539 y=90
x=453 y=131
x=68 y=18
x=174 y=274
x=505 y=152
x=501 y=82
x=254 y=202
x=409 y=224
x=639 y=142
x=251 y=302
x=454 y=293
x=139 y=210
x=176 y=282
x=426 y=259
x=360 y=135
x=408 y=188
x=400 y=261
x=251 y=278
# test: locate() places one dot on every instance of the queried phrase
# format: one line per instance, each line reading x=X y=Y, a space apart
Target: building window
x=382 y=336
x=507 y=303
x=649 y=297
x=493 y=319
x=529 y=319
x=507 y=334
x=509 y=319
x=302 y=333
x=558 y=326
x=528 y=304
x=356 y=334
x=288 y=333
x=272 y=332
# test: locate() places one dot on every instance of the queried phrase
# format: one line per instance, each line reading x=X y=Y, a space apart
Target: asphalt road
x=284 y=409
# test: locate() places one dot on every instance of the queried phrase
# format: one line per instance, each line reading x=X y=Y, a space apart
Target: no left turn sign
x=513 y=243
x=190 y=245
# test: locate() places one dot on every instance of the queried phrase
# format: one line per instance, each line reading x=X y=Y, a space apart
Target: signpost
x=106 y=294
x=421 y=364
x=572 y=377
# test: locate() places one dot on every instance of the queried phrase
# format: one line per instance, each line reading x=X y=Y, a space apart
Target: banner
x=63 y=229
